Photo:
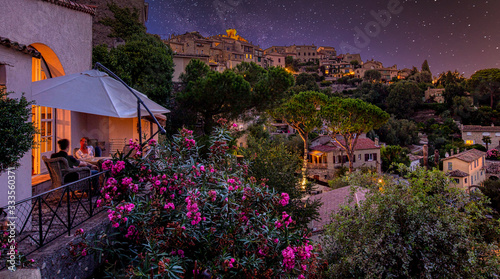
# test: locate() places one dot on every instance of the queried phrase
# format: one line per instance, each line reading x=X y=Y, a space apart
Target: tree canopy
x=419 y=227
x=301 y=112
x=144 y=62
x=260 y=90
x=425 y=67
x=372 y=75
x=398 y=132
x=404 y=98
x=225 y=94
x=350 y=118
x=486 y=82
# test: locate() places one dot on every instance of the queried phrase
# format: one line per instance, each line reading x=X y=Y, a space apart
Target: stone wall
x=54 y=262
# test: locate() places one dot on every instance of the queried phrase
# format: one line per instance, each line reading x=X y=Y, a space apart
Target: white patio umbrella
x=93 y=92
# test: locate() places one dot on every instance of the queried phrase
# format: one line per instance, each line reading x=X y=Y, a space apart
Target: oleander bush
x=198 y=217
x=493 y=154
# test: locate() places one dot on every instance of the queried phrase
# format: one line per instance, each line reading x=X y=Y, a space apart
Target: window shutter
x=375 y=156
x=367 y=157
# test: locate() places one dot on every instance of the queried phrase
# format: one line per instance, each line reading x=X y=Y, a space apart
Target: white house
x=43 y=39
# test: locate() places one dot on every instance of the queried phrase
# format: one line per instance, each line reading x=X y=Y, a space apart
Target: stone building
x=225 y=51
x=326 y=155
x=434 y=95
x=473 y=134
x=387 y=73
x=466 y=169
x=304 y=53
x=42 y=39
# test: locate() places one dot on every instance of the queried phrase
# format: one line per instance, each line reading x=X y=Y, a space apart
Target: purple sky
x=451 y=34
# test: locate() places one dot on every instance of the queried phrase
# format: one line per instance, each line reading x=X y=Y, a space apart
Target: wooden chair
x=61 y=173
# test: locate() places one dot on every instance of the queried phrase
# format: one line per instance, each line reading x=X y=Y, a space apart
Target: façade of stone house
x=326 y=156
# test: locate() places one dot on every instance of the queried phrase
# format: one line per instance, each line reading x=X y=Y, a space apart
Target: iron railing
x=43 y=218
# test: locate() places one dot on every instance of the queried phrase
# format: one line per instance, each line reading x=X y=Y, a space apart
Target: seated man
x=85 y=151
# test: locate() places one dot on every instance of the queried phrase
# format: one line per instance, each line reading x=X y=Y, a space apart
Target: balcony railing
x=43 y=218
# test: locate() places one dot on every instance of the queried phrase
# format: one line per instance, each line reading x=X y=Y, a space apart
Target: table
x=96 y=160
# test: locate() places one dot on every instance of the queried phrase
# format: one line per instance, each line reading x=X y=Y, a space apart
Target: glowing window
x=470 y=142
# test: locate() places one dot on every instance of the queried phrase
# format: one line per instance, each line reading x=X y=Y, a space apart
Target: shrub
x=203 y=216
x=326 y=83
x=16 y=129
x=493 y=154
x=414 y=228
x=491 y=189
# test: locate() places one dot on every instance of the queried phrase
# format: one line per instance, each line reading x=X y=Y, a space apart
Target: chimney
x=426 y=156
x=376 y=141
x=451 y=151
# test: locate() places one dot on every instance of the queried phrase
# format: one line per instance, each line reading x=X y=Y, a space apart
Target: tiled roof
x=332 y=201
x=361 y=144
x=477 y=128
x=457 y=173
x=74 y=6
x=19 y=47
x=468 y=156
x=413 y=157
x=324 y=148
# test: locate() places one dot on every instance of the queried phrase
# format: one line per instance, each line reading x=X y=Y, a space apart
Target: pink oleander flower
x=107 y=165
x=287 y=219
x=180 y=253
x=202 y=168
x=131 y=232
x=277 y=224
x=189 y=143
x=84 y=252
x=235 y=125
x=288 y=258
x=152 y=142
x=285 y=198
x=230 y=263
x=231 y=181
x=126 y=181
x=301 y=276
x=169 y=205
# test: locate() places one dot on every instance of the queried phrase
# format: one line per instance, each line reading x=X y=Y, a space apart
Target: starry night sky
x=461 y=35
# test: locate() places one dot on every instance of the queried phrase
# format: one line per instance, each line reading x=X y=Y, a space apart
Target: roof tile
x=467 y=156
x=74 y=6
x=477 y=128
x=19 y=47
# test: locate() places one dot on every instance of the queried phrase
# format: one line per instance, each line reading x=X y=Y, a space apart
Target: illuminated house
x=466 y=168
x=327 y=155
x=434 y=94
x=304 y=53
x=44 y=39
x=224 y=51
x=473 y=134
x=387 y=73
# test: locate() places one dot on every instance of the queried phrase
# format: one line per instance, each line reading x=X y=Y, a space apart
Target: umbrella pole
x=139 y=101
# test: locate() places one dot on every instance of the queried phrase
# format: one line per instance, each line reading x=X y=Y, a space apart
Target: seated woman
x=85 y=151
